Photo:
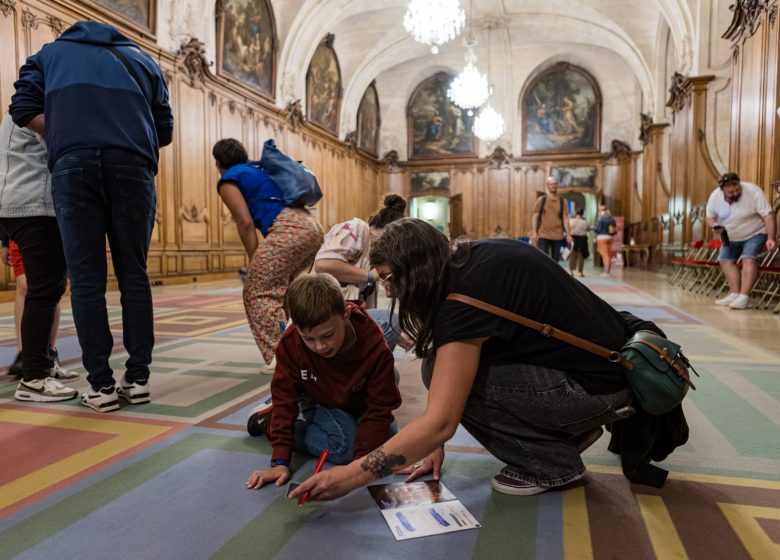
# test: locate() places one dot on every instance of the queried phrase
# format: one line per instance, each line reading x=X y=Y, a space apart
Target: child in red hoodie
x=334 y=386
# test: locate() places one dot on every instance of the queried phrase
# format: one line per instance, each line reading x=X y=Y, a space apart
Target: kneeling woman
x=534 y=402
x=292 y=238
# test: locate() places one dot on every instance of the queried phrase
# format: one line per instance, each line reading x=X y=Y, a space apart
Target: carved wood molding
x=644 y=128
x=30 y=21
x=391 y=160
x=226 y=217
x=193 y=215
x=678 y=92
x=351 y=140
x=193 y=62
x=295 y=114
x=747 y=18
x=7 y=7
x=776 y=195
x=619 y=151
x=499 y=158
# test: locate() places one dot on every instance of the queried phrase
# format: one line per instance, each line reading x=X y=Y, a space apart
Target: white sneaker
x=103 y=400
x=269 y=368
x=134 y=393
x=44 y=390
x=726 y=300
x=740 y=302
x=60 y=373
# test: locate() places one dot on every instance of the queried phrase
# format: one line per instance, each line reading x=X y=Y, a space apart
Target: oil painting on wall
x=579 y=176
x=430 y=182
x=438 y=127
x=247 y=42
x=137 y=11
x=323 y=87
x=368 y=120
x=561 y=111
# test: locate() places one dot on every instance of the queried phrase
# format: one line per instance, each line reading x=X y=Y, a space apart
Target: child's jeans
x=319 y=428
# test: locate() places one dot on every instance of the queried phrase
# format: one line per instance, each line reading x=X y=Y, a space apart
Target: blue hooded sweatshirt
x=90 y=99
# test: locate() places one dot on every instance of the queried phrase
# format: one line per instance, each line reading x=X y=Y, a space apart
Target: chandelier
x=434 y=22
x=469 y=89
x=488 y=125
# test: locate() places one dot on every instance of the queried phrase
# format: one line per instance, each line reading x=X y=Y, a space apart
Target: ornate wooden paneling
x=193 y=232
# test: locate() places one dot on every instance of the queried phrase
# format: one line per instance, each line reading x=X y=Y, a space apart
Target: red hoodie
x=361 y=382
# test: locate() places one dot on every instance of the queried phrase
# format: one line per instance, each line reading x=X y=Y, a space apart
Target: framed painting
x=246 y=43
x=141 y=13
x=323 y=87
x=436 y=126
x=577 y=176
x=430 y=182
x=368 y=120
x=561 y=111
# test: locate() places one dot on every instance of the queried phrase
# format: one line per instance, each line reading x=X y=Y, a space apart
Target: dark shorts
x=748 y=249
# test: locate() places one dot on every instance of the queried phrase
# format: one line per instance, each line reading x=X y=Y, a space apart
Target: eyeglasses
x=385 y=279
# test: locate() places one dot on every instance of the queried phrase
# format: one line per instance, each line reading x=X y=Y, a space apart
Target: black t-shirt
x=520 y=278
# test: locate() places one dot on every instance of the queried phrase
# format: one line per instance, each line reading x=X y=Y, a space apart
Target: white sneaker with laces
x=724 y=301
x=269 y=369
x=103 y=400
x=60 y=373
x=134 y=393
x=740 y=302
x=44 y=390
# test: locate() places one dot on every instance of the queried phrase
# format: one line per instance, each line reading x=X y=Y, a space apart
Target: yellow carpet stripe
x=743 y=519
x=576 y=527
x=127 y=435
x=663 y=535
x=703 y=478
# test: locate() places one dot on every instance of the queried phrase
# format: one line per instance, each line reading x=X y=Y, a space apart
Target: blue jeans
x=749 y=248
x=552 y=247
x=529 y=417
x=101 y=193
x=318 y=428
x=391 y=328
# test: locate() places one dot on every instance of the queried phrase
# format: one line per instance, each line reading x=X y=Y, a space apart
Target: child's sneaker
x=103 y=400
x=44 y=390
x=60 y=373
x=134 y=393
x=260 y=419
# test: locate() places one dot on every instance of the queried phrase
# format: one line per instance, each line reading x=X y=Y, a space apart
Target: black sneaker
x=17 y=369
x=260 y=419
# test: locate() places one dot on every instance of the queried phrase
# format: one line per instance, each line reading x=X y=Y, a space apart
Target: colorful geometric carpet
x=166 y=479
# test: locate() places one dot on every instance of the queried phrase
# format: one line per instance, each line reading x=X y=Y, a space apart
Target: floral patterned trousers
x=288 y=250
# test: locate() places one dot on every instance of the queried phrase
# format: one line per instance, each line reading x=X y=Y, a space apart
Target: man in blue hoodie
x=106 y=116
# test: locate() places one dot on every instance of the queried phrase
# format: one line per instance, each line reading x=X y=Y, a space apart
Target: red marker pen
x=318 y=468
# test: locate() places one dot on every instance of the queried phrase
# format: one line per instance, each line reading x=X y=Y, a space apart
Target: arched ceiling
x=371 y=43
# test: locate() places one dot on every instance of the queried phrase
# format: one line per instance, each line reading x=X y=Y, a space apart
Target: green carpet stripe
x=41 y=526
x=508 y=527
x=769 y=382
x=745 y=427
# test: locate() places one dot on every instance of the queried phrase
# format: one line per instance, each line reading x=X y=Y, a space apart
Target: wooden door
x=456 y=216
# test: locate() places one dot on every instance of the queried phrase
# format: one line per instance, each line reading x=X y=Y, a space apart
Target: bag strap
x=126 y=63
x=545 y=330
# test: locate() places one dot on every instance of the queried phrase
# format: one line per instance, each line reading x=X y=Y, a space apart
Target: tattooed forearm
x=381 y=465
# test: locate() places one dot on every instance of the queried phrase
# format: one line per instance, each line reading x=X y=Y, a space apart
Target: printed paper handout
x=420 y=509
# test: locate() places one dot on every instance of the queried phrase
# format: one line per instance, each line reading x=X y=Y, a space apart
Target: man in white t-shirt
x=741 y=211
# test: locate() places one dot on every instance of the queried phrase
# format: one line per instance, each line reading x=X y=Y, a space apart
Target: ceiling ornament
x=434 y=22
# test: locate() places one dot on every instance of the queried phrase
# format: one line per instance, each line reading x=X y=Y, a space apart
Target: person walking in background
x=579 y=252
x=27 y=217
x=605 y=229
x=107 y=115
x=292 y=238
x=344 y=254
x=740 y=213
x=550 y=221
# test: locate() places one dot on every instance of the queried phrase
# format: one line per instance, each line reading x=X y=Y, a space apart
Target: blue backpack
x=296 y=183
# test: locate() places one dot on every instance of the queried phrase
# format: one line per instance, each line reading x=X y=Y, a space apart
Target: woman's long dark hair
x=418 y=256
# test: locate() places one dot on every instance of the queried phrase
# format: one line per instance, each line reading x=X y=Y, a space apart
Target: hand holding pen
x=317 y=469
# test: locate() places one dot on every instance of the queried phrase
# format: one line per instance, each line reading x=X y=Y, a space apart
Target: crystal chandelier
x=434 y=22
x=489 y=125
x=469 y=89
